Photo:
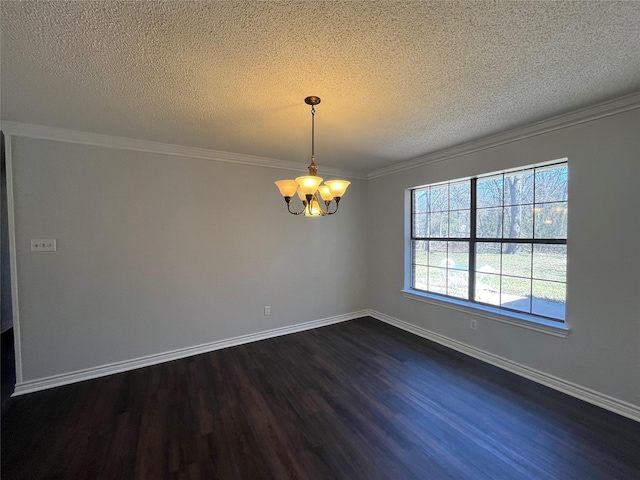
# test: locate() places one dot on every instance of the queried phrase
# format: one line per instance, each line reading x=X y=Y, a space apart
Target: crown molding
x=605 y=109
x=43 y=132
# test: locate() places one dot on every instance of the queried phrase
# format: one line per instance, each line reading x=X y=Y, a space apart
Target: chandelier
x=308 y=187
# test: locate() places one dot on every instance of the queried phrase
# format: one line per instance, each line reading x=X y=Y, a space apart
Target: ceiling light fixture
x=308 y=187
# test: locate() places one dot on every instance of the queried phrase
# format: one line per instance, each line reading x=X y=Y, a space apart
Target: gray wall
x=603 y=309
x=5 y=270
x=157 y=253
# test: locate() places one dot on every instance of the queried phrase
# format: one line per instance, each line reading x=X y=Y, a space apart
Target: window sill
x=528 y=322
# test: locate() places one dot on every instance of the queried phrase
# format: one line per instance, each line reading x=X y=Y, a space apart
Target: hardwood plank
x=356 y=400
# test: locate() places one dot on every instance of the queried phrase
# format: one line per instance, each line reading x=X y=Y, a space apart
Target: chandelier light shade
x=308 y=187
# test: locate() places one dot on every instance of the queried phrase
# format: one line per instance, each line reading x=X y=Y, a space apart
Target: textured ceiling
x=398 y=79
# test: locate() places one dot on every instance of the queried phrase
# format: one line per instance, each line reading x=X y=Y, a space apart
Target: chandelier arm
x=289 y=208
x=296 y=213
x=337 y=199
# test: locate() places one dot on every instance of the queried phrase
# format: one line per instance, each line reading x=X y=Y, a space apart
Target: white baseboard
x=609 y=403
x=118 y=367
x=604 y=401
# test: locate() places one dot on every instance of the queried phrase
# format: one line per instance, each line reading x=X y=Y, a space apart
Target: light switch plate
x=43 y=245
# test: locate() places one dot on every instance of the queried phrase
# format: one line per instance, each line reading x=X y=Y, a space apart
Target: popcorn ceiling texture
x=398 y=79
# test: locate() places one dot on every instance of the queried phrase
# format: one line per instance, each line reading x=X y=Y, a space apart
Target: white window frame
x=473 y=309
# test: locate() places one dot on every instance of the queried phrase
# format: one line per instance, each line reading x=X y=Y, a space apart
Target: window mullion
x=472 y=240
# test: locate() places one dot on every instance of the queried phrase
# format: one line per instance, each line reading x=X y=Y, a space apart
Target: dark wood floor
x=356 y=400
x=7 y=368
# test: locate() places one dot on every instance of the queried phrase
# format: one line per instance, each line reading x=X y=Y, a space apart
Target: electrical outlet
x=267 y=311
x=473 y=324
x=43 y=245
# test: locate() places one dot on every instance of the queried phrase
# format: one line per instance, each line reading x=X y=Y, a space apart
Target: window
x=498 y=240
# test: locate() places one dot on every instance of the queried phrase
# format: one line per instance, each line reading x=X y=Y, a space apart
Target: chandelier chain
x=313 y=135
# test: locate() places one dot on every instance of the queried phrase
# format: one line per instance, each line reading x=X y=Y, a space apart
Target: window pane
x=438 y=254
x=458 y=255
x=420 y=253
x=439 y=224
x=420 y=200
x=439 y=199
x=438 y=280
x=459 y=223
x=550 y=220
x=515 y=294
x=488 y=257
x=551 y=184
x=518 y=221
x=490 y=191
x=460 y=195
x=420 y=225
x=489 y=224
x=458 y=284
x=516 y=259
x=487 y=288
x=550 y=262
x=518 y=187
x=420 y=277
x=549 y=299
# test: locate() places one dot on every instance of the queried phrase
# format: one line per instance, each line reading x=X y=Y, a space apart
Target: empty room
x=320 y=239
